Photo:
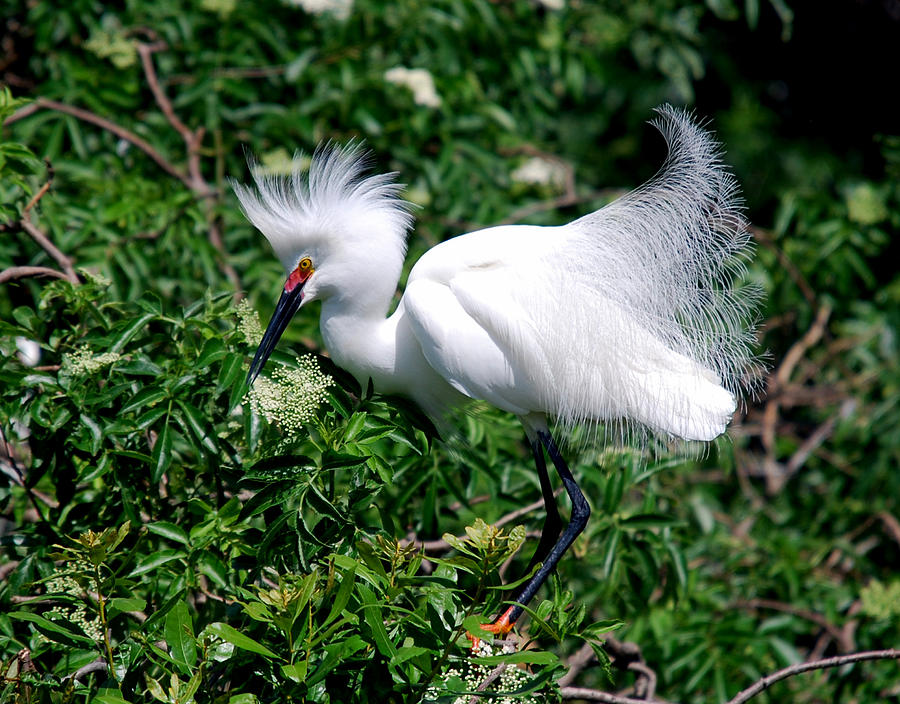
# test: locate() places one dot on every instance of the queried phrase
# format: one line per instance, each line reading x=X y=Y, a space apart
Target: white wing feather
x=629 y=313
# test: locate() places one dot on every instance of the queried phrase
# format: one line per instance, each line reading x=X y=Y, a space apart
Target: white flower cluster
x=419 y=81
x=248 y=323
x=82 y=361
x=77 y=614
x=290 y=397
x=339 y=8
x=473 y=675
x=540 y=171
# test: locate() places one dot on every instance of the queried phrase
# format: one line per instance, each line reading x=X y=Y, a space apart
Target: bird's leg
x=552 y=523
x=580 y=514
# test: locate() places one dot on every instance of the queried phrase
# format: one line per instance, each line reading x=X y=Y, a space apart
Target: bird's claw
x=500 y=628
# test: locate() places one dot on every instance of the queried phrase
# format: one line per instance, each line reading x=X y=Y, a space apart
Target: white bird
x=629 y=314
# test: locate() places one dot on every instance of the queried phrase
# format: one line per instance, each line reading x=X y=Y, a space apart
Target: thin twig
x=595 y=695
x=193 y=142
x=488 y=681
x=891 y=524
x=23 y=272
x=103 y=123
x=765 y=682
x=777 y=381
x=767 y=239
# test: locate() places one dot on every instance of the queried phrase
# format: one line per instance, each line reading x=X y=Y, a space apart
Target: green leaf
x=238 y=639
x=126 y=604
x=95 y=431
x=295 y=673
x=374 y=619
x=213 y=350
x=348 y=579
x=649 y=520
x=179 y=635
x=357 y=423
x=130 y=332
x=531 y=657
x=156 y=559
x=199 y=426
x=56 y=631
x=169 y=530
x=162 y=451
x=145 y=397
x=214 y=568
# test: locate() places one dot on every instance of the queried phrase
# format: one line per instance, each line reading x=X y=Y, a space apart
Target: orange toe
x=500 y=627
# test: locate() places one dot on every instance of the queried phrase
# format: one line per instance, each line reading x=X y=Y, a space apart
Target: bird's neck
x=361 y=340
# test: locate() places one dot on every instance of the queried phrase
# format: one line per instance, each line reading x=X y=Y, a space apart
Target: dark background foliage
x=149 y=519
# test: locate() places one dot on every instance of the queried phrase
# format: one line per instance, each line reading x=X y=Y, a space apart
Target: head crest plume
x=333 y=200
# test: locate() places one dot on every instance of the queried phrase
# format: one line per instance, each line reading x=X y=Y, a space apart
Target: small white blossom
x=419 y=81
x=540 y=171
x=248 y=323
x=290 y=397
x=339 y=8
x=82 y=361
x=62 y=583
x=473 y=674
x=552 y=4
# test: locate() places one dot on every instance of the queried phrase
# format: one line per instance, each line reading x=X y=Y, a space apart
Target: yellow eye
x=305 y=264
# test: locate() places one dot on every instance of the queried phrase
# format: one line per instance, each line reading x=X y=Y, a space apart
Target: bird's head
x=339 y=234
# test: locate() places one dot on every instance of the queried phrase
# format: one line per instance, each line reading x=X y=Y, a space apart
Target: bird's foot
x=500 y=627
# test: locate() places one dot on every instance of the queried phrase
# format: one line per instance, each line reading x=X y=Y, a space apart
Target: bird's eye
x=305 y=264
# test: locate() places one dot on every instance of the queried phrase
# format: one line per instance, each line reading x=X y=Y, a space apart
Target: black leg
x=580 y=514
x=552 y=523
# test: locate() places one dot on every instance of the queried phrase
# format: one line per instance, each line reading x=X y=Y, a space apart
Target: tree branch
x=22 y=272
x=103 y=123
x=767 y=681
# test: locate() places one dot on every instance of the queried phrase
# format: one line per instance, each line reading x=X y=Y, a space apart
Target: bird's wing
x=466 y=352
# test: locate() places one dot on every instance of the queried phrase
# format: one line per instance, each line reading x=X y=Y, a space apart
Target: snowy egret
x=629 y=314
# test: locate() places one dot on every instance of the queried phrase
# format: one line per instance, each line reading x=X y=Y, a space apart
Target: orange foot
x=500 y=627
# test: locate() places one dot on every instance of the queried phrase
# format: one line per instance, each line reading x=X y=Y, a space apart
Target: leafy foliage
x=164 y=539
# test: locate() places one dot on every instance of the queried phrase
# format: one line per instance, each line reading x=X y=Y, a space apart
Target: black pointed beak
x=288 y=304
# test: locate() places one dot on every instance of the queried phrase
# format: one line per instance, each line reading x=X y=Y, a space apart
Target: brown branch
x=38 y=236
x=766 y=238
x=765 y=682
x=192 y=179
x=193 y=142
x=103 y=123
x=747 y=694
x=98 y=665
x=22 y=272
x=146 y=51
x=583 y=657
x=891 y=524
x=595 y=695
x=488 y=681
x=777 y=381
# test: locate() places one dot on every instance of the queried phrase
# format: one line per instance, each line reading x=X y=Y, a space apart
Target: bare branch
x=103 y=123
x=595 y=695
x=38 y=236
x=891 y=524
x=777 y=381
x=767 y=681
x=146 y=51
x=23 y=272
